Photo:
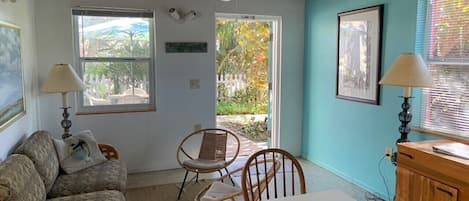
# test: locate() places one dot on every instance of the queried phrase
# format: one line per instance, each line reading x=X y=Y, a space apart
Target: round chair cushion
x=204 y=164
x=218 y=190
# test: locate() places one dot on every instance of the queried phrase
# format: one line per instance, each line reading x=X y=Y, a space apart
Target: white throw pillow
x=78 y=152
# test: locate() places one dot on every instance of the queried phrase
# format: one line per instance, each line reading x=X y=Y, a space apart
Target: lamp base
x=66 y=123
x=404 y=117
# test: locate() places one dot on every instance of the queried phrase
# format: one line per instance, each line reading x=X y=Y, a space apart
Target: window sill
x=116 y=111
x=450 y=136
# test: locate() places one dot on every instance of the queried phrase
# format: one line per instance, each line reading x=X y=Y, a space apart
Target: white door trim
x=276 y=67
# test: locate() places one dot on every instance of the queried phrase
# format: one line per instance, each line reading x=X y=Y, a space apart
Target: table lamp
x=63 y=79
x=409 y=70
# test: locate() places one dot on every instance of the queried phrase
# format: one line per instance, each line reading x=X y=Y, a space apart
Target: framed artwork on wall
x=359 y=54
x=12 y=101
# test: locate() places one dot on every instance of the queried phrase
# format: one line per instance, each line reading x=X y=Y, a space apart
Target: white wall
x=21 y=14
x=148 y=141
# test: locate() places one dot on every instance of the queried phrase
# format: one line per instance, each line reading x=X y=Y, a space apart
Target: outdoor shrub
x=250 y=94
x=256 y=130
x=232 y=108
x=222 y=92
x=251 y=129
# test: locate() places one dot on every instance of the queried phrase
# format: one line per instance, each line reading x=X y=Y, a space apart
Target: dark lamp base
x=66 y=123
x=404 y=117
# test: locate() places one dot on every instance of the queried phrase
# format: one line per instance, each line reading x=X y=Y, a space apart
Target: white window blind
x=445 y=107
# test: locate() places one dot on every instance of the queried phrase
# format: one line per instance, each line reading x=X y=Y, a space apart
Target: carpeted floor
x=165 y=192
x=317 y=180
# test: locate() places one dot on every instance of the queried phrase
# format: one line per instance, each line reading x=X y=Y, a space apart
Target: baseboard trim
x=348 y=178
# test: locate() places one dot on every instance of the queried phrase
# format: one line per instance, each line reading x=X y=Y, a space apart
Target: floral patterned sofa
x=32 y=173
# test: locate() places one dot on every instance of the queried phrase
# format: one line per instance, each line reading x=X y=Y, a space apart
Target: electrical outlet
x=388 y=152
x=197 y=127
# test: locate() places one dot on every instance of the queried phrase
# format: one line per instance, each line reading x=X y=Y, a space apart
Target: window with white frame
x=446 y=52
x=114 y=51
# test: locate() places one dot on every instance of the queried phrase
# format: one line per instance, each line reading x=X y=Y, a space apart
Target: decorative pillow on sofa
x=78 y=152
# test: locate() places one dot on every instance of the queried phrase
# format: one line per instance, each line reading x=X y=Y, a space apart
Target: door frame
x=275 y=84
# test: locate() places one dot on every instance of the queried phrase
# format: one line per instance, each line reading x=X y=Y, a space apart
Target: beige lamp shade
x=62 y=78
x=409 y=70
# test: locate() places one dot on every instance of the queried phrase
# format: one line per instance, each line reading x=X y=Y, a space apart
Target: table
x=330 y=195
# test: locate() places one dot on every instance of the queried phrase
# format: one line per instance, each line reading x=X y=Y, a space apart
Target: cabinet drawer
x=428 y=161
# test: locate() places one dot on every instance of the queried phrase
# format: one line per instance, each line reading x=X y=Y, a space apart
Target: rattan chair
x=212 y=155
x=254 y=188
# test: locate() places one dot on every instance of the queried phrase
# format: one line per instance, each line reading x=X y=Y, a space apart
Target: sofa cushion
x=19 y=180
x=40 y=149
x=110 y=175
x=94 y=196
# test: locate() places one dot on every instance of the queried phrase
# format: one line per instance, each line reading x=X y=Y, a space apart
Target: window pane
x=115 y=83
x=446 y=104
x=449 y=30
x=114 y=36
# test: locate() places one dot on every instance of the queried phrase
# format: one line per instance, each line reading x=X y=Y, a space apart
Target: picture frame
x=359 y=42
x=12 y=99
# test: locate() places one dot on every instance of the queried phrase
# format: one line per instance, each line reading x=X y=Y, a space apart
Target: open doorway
x=248 y=78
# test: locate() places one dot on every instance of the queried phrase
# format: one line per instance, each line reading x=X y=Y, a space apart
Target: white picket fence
x=232 y=83
x=96 y=85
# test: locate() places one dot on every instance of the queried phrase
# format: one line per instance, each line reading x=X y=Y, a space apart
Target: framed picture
x=359 y=54
x=12 y=102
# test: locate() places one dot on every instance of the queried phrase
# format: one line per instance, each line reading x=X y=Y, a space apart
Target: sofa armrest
x=109 y=151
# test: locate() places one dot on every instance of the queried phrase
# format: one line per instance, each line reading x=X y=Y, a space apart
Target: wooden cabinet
x=413 y=186
x=423 y=175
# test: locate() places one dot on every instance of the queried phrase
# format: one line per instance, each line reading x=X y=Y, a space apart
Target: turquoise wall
x=348 y=137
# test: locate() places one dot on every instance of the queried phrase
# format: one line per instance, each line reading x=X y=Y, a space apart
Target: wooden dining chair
x=288 y=181
x=220 y=191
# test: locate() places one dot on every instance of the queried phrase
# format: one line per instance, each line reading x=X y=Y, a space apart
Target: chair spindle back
x=267 y=174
